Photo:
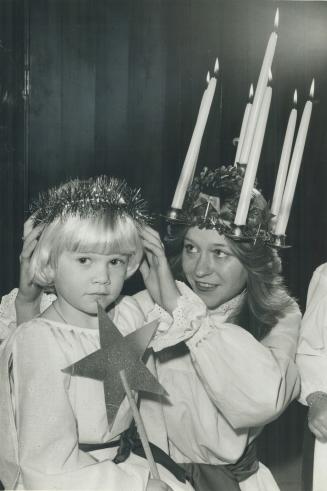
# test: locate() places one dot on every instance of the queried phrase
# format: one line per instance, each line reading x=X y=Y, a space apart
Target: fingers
x=144 y=269
x=317 y=420
x=151 y=235
x=153 y=244
x=30 y=240
x=28 y=226
x=318 y=431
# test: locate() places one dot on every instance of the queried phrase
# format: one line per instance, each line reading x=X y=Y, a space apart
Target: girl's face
x=83 y=279
x=214 y=274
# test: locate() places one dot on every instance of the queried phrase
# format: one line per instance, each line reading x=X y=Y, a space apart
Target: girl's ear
x=48 y=274
x=131 y=269
x=134 y=263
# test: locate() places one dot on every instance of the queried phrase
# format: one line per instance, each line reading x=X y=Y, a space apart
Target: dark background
x=114 y=86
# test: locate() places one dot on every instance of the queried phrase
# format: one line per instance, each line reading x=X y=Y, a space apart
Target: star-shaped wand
x=118 y=364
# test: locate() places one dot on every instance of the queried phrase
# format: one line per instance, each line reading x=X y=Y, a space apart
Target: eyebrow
x=213 y=245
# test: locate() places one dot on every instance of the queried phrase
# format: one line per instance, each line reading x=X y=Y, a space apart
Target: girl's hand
x=150 y=277
x=317 y=419
x=156 y=271
x=29 y=294
x=157 y=485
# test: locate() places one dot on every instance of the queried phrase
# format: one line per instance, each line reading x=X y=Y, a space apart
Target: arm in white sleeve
x=8 y=317
x=47 y=426
x=311 y=355
x=250 y=383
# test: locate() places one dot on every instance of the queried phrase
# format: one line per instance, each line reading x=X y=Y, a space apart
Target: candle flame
x=270 y=76
x=312 y=88
x=216 y=68
x=208 y=78
x=251 y=92
x=276 y=22
x=295 y=97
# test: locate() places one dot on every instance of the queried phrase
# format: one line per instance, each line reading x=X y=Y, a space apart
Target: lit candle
x=251 y=168
x=194 y=147
x=259 y=94
x=295 y=164
x=244 y=125
x=284 y=159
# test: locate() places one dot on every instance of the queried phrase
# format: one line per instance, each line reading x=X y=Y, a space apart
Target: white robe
x=45 y=413
x=312 y=360
x=227 y=386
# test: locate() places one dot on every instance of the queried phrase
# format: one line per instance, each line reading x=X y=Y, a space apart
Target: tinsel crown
x=86 y=198
x=212 y=199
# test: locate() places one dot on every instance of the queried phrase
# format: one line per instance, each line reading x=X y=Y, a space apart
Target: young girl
x=312 y=362
x=88 y=246
x=233 y=370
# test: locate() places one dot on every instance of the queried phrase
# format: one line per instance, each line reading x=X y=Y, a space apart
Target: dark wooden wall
x=115 y=87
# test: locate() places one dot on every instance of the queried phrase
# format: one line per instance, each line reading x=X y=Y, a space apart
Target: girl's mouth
x=202 y=286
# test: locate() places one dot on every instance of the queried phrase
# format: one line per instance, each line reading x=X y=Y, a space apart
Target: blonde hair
x=102 y=233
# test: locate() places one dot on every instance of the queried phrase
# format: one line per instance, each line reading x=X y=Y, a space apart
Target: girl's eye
x=190 y=248
x=83 y=260
x=117 y=261
x=219 y=253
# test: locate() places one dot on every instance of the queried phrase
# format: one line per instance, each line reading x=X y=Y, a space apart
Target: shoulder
x=144 y=301
x=38 y=339
x=321 y=271
x=128 y=315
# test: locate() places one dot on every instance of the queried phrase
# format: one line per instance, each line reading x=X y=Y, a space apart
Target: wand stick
x=140 y=426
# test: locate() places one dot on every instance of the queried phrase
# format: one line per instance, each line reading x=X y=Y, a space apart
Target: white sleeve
x=8 y=311
x=250 y=383
x=311 y=355
x=7 y=314
x=47 y=426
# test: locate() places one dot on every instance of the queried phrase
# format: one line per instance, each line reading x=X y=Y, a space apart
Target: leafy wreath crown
x=212 y=199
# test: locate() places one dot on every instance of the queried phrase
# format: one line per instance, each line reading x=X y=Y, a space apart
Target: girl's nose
x=203 y=266
x=102 y=276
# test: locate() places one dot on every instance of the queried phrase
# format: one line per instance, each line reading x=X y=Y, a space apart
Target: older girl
x=233 y=369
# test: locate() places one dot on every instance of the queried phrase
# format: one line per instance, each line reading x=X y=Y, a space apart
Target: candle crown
x=312 y=89
x=212 y=199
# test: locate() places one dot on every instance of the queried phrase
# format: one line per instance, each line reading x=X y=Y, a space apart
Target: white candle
x=259 y=94
x=251 y=168
x=284 y=159
x=244 y=125
x=295 y=164
x=194 y=147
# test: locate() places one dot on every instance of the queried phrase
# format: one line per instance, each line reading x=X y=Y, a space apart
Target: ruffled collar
x=229 y=306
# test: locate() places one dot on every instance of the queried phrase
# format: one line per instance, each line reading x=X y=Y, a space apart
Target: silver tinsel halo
x=86 y=198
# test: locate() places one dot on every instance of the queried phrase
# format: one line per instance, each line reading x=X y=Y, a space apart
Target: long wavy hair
x=266 y=299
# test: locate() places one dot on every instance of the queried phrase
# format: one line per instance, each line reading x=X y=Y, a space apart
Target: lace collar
x=227 y=307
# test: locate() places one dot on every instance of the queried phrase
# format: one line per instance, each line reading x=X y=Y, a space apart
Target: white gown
x=45 y=413
x=227 y=386
x=312 y=360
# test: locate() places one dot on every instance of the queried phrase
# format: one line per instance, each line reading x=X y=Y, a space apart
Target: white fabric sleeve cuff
x=182 y=324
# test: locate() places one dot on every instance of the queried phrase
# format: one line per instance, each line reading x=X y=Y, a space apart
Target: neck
x=68 y=314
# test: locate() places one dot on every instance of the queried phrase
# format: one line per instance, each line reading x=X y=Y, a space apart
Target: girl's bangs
x=99 y=236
